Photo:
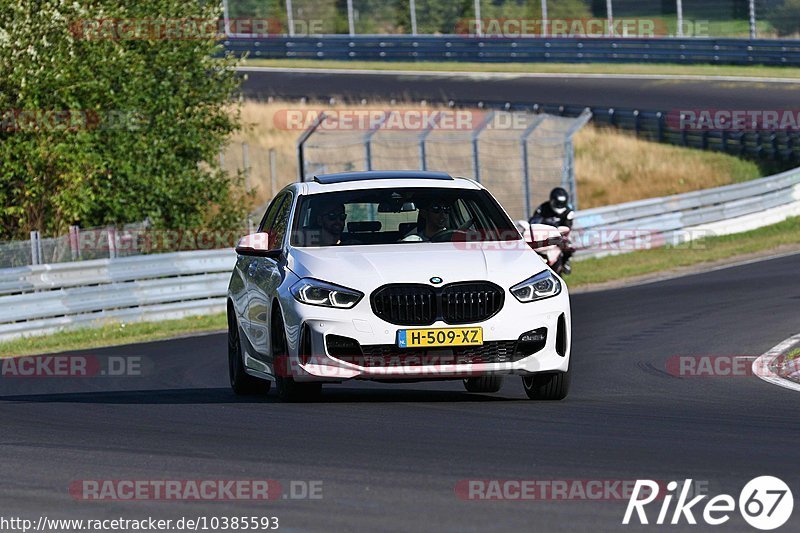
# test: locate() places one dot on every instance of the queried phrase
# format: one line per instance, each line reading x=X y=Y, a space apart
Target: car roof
x=341 y=177
x=348 y=181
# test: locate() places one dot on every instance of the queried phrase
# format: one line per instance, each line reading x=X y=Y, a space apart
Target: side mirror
x=257 y=245
x=541 y=236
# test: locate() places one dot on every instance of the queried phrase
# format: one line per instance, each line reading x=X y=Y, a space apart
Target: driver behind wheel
x=434 y=218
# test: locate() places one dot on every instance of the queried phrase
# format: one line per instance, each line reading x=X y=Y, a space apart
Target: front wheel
x=548 y=386
x=241 y=382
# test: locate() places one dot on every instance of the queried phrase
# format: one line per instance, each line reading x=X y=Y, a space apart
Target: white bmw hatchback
x=393 y=276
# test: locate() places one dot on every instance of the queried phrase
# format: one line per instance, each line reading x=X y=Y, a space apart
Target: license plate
x=415 y=338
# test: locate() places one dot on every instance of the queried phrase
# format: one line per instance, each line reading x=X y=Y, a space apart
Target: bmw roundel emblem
x=436 y=280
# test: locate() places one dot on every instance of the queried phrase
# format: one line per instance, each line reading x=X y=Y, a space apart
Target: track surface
x=389 y=456
x=663 y=95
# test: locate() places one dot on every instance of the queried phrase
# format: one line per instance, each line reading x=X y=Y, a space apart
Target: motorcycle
x=549 y=241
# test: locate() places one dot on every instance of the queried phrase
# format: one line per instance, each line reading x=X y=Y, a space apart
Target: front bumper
x=378 y=359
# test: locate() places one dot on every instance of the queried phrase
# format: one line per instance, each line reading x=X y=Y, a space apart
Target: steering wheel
x=444 y=235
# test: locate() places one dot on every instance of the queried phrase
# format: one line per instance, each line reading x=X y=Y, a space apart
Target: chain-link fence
x=516 y=18
x=518 y=156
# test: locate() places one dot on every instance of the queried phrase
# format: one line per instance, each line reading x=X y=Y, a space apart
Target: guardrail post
x=273 y=171
x=290 y=18
x=660 y=117
x=246 y=164
x=75 y=242
x=36 y=248
x=111 y=233
x=301 y=163
x=423 y=156
x=368 y=139
x=526 y=178
x=636 y=123
x=476 y=162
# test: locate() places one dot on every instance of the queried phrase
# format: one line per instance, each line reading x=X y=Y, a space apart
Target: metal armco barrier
x=46 y=298
x=678 y=219
x=506 y=50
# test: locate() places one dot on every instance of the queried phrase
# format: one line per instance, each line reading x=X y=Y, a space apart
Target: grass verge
x=538 y=68
x=584 y=273
x=112 y=334
x=706 y=250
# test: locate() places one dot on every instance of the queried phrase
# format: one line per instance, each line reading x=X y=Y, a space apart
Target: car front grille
x=422 y=305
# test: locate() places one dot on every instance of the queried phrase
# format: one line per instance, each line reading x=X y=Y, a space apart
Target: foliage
x=142 y=119
x=786 y=17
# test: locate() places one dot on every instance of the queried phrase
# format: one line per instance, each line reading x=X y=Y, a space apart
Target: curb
x=773 y=368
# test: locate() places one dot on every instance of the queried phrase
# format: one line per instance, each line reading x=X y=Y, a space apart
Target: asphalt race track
x=650 y=94
x=389 y=456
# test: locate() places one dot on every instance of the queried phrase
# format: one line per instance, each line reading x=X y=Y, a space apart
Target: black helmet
x=559 y=198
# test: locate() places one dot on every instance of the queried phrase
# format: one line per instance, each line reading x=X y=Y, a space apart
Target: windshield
x=400 y=215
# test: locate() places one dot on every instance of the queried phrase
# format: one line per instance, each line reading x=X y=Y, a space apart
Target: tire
x=287 y=388
x=484 y=384
x=242 y=383
x=547 y=386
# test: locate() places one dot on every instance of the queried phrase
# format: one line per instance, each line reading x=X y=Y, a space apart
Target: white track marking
x=761 y=365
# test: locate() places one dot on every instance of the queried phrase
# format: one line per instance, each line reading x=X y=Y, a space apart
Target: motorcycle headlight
x=542 y=285
x=315 y=292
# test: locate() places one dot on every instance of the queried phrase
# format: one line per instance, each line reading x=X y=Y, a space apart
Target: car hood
x=367 y=267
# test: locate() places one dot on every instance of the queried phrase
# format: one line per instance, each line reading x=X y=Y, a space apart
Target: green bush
x=786 y=18
x=145 y=120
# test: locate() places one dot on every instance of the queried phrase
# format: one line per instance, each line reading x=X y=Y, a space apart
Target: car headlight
x=315 y=292
x=542 y=285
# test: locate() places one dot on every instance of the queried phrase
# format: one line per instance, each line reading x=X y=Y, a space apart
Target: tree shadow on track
x=223 y=395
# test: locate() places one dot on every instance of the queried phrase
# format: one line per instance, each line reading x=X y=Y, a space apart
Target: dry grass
x=611 y=166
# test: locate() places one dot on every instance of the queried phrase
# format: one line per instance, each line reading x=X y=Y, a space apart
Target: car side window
x=277 y=231
x=269 y=215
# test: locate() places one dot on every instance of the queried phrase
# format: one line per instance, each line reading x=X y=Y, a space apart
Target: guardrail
x=46 y=298
x=681 y=218
x=529 y=49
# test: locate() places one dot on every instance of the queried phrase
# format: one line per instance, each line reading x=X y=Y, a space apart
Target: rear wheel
x=241 y=382
x=288 y=389
x=484 y=384
x=551 y=386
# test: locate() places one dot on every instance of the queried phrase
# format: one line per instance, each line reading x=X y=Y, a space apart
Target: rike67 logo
x=765 y=503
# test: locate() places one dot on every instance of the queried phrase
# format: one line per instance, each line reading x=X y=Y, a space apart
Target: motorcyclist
x=557 y=211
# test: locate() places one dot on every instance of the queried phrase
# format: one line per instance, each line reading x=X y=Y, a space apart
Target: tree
x=98 y=127
x=786 y=18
